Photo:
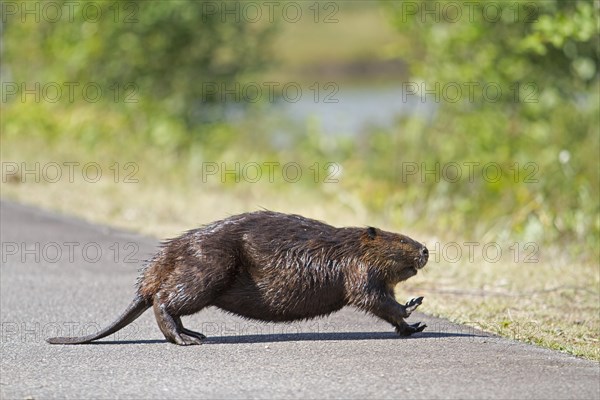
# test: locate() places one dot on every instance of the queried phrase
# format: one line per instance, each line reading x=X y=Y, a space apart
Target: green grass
x=551 y=304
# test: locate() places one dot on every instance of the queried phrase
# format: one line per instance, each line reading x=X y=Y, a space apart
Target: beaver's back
x=288 y=268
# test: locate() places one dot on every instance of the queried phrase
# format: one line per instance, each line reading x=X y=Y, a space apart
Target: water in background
x=357 y=109
x=350 y=111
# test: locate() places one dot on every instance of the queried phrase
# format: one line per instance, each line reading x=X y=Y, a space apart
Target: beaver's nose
x=424 y=252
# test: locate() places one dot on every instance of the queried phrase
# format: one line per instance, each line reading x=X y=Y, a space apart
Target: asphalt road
x=61 y=276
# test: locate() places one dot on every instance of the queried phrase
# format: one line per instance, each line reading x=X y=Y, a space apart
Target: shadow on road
x=302 y=337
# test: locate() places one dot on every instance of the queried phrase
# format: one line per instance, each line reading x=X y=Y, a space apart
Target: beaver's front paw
x=407 y=330
x=412 y=306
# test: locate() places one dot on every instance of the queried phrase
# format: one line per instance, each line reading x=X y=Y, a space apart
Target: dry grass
x=549 y=303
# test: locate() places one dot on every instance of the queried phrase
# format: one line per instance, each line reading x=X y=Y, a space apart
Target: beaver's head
x=399 y=255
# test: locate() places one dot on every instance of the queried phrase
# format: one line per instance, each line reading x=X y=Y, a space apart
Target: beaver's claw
x=412 y=305
x=408 y=330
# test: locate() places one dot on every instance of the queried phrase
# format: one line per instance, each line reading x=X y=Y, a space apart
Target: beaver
x=271 y=266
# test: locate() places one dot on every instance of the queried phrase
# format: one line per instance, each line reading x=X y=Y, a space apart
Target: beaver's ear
x=371 y=232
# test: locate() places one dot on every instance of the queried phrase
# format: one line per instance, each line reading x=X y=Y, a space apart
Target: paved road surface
x=60 y=275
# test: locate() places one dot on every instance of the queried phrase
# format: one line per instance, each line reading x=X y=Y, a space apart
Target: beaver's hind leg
x=188 y=332
x=172 y=328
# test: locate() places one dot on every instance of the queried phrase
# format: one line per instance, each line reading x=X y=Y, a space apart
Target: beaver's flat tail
x=133 y=311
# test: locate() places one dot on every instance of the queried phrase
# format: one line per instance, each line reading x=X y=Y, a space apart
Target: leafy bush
x=175 y=54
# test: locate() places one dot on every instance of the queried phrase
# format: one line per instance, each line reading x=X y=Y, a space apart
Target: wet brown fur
x=273 y=267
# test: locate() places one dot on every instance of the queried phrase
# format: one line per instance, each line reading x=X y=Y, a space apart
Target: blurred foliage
x=178 y=54
x=549 y=42
x=541 y=119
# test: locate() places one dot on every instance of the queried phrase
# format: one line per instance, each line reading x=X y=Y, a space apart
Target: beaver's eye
x=401 y=240
x=372 y=232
